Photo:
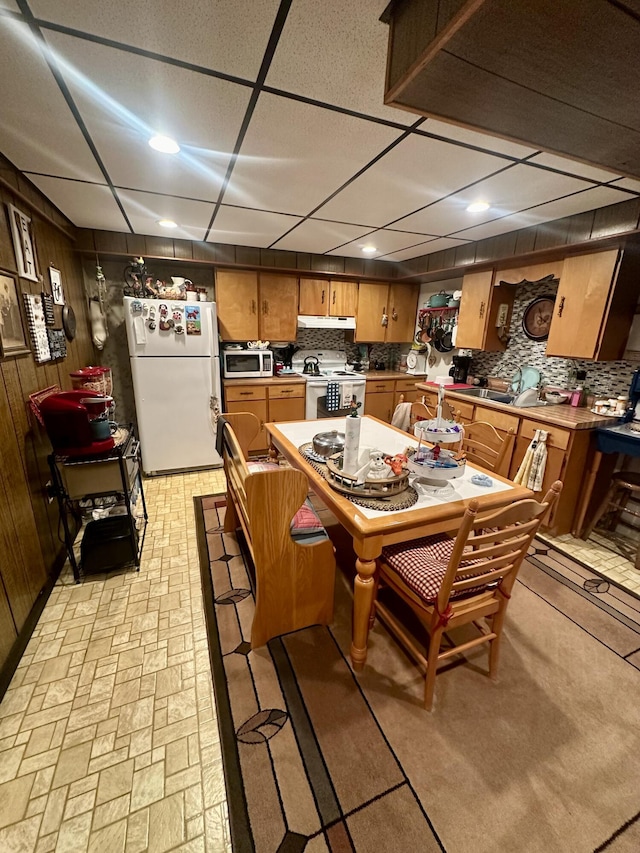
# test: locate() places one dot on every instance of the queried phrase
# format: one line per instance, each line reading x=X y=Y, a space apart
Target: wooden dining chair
x=485 y=447
x=421 y=412
x=451 y=582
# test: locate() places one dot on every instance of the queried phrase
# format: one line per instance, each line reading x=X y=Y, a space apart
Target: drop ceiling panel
x=10 y=4
x=514 y=189
x=145 y=209
x=226 y=35
x=86 y=205
x=573 y=167
x=294 y=155
x=314 y=235
x=416 y=172
x=480 y=140
x=597 y=197
x=249 y=227
x=37 y=130
x=124 y=100
x=629 y=184
x=352 y=58
x=429 y=248
x=385 y=241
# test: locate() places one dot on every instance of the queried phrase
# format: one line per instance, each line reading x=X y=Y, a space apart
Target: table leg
x=363 y=591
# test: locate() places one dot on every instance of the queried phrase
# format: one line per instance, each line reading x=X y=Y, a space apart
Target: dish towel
x=333 y=396
x=522 y=474
x=538 y=462
x=346 y=395
x=402 y=416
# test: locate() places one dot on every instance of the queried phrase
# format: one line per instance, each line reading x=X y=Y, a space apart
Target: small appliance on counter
x=460 y=369
x=633 y=410
x=77 y=422
x=93 y=379
x=417 y=363
x=247 y=363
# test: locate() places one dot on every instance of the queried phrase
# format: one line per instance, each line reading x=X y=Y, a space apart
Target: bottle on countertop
x=577 y=395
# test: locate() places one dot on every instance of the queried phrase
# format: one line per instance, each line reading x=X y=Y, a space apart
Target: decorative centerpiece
x=432 y=462
x=378 y=475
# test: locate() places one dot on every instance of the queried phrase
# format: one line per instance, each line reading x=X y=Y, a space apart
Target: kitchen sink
x=499 y=397
x=486 y=394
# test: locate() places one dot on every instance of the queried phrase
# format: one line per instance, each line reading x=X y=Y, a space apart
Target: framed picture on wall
x=23 y=243
x=13 y=340
x=56 y=286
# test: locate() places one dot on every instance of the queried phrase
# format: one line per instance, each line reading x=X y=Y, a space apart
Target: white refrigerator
x=175 y=366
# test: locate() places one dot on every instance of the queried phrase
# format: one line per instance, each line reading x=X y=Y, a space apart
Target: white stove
x=331 y=385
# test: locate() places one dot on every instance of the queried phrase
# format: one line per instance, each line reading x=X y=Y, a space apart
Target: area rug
x=319 y=759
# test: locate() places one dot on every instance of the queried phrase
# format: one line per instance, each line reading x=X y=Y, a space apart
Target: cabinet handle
x=481 y=310
x=561 y=307
x=265 y=306
x=246 y=393
x=394 y=314
x=380 y=387
x=333 y=302
x=287 y=390
x=253 y=306
x=323 y=297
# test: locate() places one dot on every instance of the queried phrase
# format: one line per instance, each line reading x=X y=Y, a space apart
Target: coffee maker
x=75 y=422
x=460 y=368
x=633 y=412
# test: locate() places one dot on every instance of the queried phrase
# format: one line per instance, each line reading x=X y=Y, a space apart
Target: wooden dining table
x=436 y=511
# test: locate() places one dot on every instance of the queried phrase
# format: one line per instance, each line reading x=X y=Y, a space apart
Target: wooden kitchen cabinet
x=254 y=306
x=480 y=307
x=286 y=402
x=258 y=408
x=271 y=401
x=379 y=401
x=322 y=297
x=400 y=304
x=595 y=304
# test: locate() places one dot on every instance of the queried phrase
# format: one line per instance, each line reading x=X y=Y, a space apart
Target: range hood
x=307 y=321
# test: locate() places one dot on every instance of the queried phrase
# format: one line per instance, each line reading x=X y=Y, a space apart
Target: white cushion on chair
x=422 y=564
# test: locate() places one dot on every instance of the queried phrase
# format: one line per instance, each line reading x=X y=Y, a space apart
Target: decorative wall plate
x=537 y=316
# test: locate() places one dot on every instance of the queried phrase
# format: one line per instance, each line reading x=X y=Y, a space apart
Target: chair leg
x=376 y=587
x=432 y=667
x=494 y=645
x=600 y=511
x=231 y=520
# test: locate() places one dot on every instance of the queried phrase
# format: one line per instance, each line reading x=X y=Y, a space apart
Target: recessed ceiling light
x=478 y=207
x=167 y=223
x=164 y=144
x=369 y=250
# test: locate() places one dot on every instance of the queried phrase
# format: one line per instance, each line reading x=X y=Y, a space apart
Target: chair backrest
x=246 y=427
x=489 y=549
x=421 y=412
x=485 y=447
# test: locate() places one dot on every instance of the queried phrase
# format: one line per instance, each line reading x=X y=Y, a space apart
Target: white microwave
x=247 y=363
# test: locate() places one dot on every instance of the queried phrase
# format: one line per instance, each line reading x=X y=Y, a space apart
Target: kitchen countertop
x=391 y=374
x=563 y=415
x=291 y=378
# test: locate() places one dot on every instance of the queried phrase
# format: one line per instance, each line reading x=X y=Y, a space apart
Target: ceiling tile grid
x=314 y=162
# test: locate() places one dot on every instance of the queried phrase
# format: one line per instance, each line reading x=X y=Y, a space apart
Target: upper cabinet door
x=237 y=305
x=373 y=303
x=314 y=296
x=402 y=311
x=344 y=298
x=474 y=310
x=278 y=307
x=594 y=306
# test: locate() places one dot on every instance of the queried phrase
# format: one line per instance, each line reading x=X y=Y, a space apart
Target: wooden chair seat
x=451 y=582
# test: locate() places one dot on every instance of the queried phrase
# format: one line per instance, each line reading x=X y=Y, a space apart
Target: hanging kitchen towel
x=333 y=396
x=522 y=475
x=346 y=394
x=402 y=416
x=538 y=462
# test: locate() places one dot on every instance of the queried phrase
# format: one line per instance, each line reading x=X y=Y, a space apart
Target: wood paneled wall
x=29 y=543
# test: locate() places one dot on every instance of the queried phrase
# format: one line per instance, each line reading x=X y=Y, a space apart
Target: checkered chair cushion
x=422 y=564
x=256 y=465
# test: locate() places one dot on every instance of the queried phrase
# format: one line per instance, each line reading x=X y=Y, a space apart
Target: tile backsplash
x=604 y=378
x=335 y=339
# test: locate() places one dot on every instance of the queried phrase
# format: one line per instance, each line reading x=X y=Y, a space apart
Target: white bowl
x=428 y=471
x=556 y=397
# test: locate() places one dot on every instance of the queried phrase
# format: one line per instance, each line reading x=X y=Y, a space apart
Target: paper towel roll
x=351 y=445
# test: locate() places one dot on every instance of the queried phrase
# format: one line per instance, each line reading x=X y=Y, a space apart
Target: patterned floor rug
x=319 y=759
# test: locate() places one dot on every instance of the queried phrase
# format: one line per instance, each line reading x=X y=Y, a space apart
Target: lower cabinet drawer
x=556 y=437
x=465 y=410
x=284 y=392
x=499 y=420
x=238 y=393
x=406 y=385
x=378 y=386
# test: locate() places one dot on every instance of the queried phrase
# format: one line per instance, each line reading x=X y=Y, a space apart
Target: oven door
x=316 y=400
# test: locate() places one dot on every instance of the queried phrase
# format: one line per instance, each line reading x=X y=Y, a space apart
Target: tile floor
x=108 y=733
x=603 y=555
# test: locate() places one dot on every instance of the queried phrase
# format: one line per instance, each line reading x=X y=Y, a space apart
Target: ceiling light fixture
x=167 y=223
x=164 y=144
x=369 y=250
x=478 y=207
